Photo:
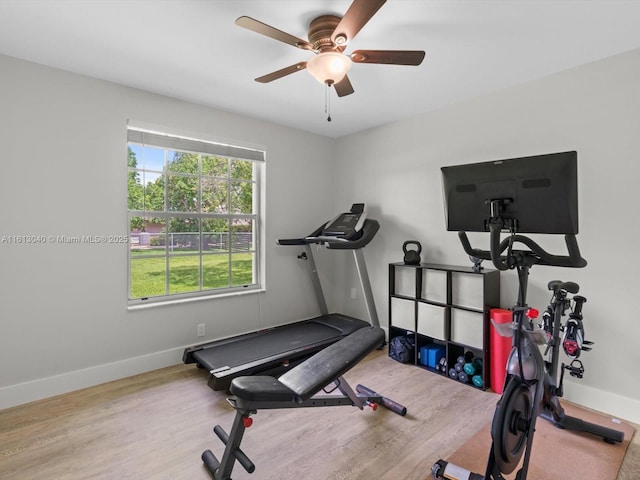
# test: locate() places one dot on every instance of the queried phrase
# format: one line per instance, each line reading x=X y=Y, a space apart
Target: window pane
x=215 y=235
x=182 y=194
x=183 y=236
x=147 y=236
x=184 y=273
x=134 y=155
x=147 y=277
x=241 y=169
x=153 y=190
x=148 y=262
x=241 y=197
x=242 y=269
x=215 y=271
x=135 y=227
x=182 y=162
x=242 y=235
x=215 y=166
x=135 y=195
x=151 y=158
x=215 y=196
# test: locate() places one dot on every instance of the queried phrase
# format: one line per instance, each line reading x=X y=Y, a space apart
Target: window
x=193 y=216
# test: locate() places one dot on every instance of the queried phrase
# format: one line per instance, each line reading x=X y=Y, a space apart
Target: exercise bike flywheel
x=510 y=426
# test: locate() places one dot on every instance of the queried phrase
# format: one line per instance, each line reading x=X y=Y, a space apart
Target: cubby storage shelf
x=446 y=305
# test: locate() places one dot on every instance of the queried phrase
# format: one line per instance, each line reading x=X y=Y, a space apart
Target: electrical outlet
x=353 y=293
x=201 y=329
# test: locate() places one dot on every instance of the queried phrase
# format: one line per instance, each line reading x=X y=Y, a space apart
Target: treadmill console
x=346 y=225
x=350 y=230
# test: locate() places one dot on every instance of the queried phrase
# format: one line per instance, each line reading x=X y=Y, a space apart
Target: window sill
x=177 y=301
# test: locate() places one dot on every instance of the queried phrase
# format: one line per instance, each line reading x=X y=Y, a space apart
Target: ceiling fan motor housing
x=320 y=31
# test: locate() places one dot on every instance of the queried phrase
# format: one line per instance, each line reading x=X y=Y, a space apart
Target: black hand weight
x=412 y=257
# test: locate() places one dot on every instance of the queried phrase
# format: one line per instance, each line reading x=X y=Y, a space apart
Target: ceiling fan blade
x=391 y=57
x=356 y=17
x=269 y=31
x=270 y=77
x=343 y=87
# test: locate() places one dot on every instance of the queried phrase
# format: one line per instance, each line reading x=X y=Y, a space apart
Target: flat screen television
x=537 y=194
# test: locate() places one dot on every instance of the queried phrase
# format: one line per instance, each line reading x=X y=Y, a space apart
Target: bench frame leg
x=221 y=470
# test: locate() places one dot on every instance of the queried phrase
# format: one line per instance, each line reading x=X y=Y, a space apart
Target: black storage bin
x=402 y=349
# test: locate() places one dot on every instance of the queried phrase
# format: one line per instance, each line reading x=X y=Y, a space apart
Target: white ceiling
x=192 y=50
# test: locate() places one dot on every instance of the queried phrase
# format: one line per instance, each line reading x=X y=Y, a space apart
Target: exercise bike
x=531 y=387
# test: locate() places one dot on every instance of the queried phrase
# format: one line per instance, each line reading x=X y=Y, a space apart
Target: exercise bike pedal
x=576 y=370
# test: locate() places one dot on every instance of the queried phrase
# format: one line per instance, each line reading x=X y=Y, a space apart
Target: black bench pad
x=306 y=379
x=261 y=388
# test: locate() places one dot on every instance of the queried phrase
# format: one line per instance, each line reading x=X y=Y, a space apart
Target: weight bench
x=295 y=389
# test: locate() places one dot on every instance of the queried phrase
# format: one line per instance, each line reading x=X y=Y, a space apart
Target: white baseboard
x=624 y=408
x=38 y=389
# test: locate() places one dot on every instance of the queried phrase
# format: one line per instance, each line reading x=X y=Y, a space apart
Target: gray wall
x=64 y=317
x=593 y=109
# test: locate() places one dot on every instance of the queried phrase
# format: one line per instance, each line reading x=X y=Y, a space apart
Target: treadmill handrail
x=369 y=230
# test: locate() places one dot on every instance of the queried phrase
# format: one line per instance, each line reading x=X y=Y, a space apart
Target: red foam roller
x=500 y=347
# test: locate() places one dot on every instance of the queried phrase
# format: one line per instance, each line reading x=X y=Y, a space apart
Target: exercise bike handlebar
x=535 y=255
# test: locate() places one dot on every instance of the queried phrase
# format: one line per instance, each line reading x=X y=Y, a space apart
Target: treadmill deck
x=275 y=349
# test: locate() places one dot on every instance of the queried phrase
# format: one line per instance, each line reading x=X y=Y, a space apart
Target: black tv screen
x=538 y=194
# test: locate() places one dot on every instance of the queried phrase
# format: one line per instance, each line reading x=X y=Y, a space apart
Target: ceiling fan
x=328 y=38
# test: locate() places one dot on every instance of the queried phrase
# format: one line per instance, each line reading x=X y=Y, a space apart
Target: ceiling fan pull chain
x=327 y=102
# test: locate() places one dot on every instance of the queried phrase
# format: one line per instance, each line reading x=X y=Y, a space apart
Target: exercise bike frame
x=542 y=384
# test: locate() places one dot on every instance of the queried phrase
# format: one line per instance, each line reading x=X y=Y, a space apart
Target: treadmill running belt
x=293 y=338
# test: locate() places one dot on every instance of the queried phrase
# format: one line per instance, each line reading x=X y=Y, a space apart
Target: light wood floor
x=156 y=425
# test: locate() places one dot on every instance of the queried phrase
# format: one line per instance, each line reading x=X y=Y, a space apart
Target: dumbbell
x=478 y=381
x=442 y=365
x=466 y=358
x=462 y=360
x=473 y=367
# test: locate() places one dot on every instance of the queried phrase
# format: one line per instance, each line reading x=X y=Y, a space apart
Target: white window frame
x=170 y=142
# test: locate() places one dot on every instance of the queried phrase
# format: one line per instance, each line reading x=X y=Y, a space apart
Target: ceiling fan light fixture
x=329 y=67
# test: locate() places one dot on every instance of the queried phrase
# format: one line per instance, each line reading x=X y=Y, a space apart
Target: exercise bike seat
x=557 y=285
x=261 y=388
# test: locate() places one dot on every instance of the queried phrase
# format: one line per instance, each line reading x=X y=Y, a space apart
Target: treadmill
x=272 y=351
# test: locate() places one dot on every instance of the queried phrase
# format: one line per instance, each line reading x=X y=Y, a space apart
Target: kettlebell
x=412 y=257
